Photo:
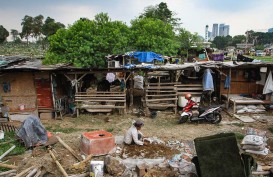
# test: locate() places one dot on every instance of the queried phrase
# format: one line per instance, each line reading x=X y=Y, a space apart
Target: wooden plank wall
x=22 y=91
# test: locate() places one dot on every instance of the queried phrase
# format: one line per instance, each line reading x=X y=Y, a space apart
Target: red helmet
x=188 y=96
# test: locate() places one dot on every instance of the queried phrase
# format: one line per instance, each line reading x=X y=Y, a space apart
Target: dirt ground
x=165 y=127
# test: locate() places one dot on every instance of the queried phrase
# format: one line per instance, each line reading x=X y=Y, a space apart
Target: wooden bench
x=100 y=101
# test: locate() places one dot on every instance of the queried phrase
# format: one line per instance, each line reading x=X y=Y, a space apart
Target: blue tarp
x=146 y=57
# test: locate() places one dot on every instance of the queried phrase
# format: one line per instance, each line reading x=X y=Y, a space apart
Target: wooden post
x=229 y=89
x=131 y=89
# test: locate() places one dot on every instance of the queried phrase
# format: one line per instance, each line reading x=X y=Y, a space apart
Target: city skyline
x=195 y=15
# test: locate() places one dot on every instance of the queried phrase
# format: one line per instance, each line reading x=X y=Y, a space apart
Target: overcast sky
x=241 y=15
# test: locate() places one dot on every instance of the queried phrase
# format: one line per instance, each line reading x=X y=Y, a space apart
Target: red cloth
x=189 y=106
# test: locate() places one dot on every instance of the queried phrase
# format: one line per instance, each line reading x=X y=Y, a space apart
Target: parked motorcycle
x=211 y=115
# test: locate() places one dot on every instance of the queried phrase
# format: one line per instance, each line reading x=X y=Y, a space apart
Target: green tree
x=27 y=27
x=153 y=35
x=220 y=42
x=14 y=34
x=50 y=27
x=87 y=42
x=187 y=40
x=3 y=34
x=238 y=39
x=161 y=12
x=37 y=26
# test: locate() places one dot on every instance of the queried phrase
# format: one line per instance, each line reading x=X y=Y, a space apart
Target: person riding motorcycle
x=190 y=103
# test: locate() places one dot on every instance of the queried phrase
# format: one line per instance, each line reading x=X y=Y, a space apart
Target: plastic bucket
x=22 y=107
x=97 y=168
x=2 y=134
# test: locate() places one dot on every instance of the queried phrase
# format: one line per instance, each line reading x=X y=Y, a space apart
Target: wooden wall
x=239 y=84
x=22 y=91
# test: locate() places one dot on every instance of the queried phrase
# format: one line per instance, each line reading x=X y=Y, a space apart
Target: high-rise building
x=270 y=30
x=214 y=30
x=207 y=33
x=226 y=30
x=221 y=29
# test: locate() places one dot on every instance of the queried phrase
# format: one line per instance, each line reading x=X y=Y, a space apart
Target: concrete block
x=97 y=142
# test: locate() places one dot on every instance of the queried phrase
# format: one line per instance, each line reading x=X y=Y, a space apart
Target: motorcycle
x=211 y=115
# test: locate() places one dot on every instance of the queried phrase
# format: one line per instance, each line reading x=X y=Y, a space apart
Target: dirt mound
x=148 y=151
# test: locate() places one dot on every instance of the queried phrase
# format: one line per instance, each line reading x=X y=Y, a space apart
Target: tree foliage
x=27 y=26
x=187 y=40
x=37 y=26
x=14 y=34
x=153 y=35
x=3 y=34
x=50 y=27
x=87 y=42
x=161 y=12
x=238 y=40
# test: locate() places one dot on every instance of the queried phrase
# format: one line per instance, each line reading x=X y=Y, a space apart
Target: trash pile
x=255 y=142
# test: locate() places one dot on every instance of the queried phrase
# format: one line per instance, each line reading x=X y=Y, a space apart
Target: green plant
x=238 y=124
x=8 y=141
x=239 y=136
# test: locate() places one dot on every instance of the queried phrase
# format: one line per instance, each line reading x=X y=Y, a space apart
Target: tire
x=217 y=118
x=183 y=119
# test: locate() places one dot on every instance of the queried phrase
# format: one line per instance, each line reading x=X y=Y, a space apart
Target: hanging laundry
x=263 y=79
x=208 y=80
x=227 y=82
x=6 y=87
x=268 y=88
x=110 y=77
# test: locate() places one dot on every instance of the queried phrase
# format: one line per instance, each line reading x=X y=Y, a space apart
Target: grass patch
x=91 y=129
x=238 y=124
x=63 y=130
x=8 y=141
x=111 y=129
x=239 y=136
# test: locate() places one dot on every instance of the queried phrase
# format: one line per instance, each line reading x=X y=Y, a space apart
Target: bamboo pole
x=24 y=171
x=32 y=172
x=68 y=148
x=8 y=166
x=8 y=151
x=38 y=173
x=228 y=89
x=58 y=164
x=7 y=172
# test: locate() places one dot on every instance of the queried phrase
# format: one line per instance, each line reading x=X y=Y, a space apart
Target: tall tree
x=27 y=27
x=187 y=40
x=87 y=42
x=14 y=34
x=37 y=26
x=150 y=34
x=50 y=27
x=3 y=34
x=238 y=39
x=220 y=42
x=161 y=12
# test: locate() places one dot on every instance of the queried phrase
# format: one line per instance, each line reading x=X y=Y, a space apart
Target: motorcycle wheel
x=217 y=118
x=183 y=119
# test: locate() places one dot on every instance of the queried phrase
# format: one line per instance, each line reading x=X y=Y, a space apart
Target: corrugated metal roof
x=25 y=63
